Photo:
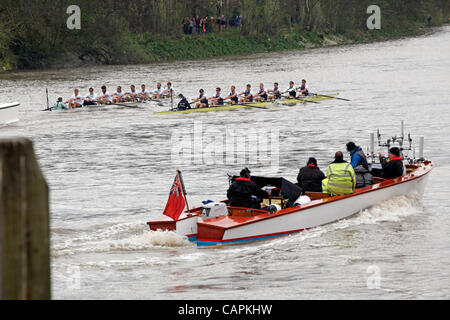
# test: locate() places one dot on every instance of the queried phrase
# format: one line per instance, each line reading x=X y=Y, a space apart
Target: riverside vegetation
x=34 y=33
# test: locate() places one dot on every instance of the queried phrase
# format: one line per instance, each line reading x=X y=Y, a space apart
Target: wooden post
x=24 y=224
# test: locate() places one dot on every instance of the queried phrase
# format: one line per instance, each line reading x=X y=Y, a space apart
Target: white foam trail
x=143 y=241
x=149 y=239
x=394 y=209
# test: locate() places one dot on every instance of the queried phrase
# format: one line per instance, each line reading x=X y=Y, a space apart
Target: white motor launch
x=214 y=209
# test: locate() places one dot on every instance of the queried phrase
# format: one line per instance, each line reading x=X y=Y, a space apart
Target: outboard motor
x=214 y=209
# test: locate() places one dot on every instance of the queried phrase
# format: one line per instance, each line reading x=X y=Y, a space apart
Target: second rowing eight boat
x=260 y=105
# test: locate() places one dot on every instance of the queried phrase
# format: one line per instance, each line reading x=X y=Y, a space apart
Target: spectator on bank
x=238 y=21
x=221 y=22
x=197 y=24
x=211 y=24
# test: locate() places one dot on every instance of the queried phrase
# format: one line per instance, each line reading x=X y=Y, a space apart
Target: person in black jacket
x=394 y=167
x=183 y=104
x=245 y=193
x=310 y=177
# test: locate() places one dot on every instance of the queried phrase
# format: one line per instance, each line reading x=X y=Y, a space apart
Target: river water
x=110 y=171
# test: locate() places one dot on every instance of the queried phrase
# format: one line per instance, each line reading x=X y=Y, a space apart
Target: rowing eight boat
x=260 y=105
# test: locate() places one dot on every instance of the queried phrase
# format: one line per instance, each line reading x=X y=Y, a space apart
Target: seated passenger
x=245 y=193
x=394 y=167
x=340 y=177
x=360 y=165
x=310 y=177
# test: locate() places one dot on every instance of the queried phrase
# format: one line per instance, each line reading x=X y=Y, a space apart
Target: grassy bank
x=233 y=43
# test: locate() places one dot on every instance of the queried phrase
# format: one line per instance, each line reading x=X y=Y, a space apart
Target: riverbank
x=144 y=50
x=130 y=33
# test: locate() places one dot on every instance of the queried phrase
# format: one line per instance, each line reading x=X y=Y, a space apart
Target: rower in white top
x=303 y=89
x=144 y=94
x=217 y=99
x=233 y=96
x=104 y=97
x=76 y=101
x=158 y=93
x=291 y=90
x=262 y=93
x=91 y=98
x=169 y=91
x=275 y=93
x=119 y=95
x=248 y=94
x=132 y=94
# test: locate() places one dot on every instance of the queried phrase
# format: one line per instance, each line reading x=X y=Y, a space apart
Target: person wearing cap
x=394 y=167
x=340 y=178
x=310 y=177
x=202 y=100
x=183 y=104
x=360 y=165
x=244 y=193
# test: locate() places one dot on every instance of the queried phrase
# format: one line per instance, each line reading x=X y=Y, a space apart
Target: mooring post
x=24 y=224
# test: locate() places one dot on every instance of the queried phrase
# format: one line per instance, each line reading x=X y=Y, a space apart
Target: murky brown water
x=111 y=170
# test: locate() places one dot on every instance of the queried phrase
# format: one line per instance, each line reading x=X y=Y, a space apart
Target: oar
x=323 y=95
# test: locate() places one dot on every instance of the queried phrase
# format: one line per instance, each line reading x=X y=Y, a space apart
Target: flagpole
x=183 y=189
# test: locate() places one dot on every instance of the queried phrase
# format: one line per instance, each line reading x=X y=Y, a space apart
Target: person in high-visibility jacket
x=340 y=178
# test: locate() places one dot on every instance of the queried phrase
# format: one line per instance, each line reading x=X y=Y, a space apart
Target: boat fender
x=274 y=208
x=303 y=200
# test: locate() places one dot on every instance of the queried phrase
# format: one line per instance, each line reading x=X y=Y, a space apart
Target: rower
x=233 y=96
x=248 y=94
x=202 y=100
x=119 y=95
x=91 y=98
x=144 y=94
x=132 y=94
x=169 y=91
x=158 y=93
x=303 y=89
x=275 y=93
x=262 y=93
x=291 y=90
x=76 y=101
x=104 y=97
x=217 y=100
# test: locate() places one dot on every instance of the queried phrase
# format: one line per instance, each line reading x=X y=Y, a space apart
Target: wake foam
x=391 y=210
x=137 y=242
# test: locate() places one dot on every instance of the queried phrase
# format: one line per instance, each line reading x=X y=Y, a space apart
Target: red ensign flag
x=176 y=203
